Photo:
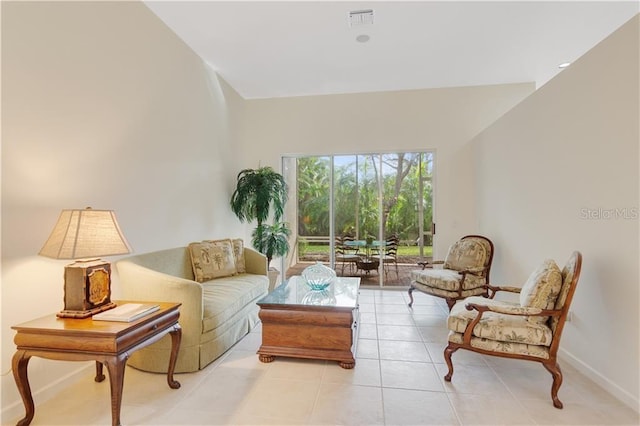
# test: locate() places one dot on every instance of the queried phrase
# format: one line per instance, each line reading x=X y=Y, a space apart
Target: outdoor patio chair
x=464 y=272
x=345 y=254
x=528 y=330
x=389 y=254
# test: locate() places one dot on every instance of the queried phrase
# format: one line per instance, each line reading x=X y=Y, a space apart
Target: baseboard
x=16 y=409
x=611 y=387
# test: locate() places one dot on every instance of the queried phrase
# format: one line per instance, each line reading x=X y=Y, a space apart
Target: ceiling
x=270 y=49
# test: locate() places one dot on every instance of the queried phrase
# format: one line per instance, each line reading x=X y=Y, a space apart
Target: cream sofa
x=215 y=314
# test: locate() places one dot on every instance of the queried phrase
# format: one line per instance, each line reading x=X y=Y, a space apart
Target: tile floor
x=397 y=381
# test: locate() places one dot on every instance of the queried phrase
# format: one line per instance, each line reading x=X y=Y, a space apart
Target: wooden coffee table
x=108 y=343
x=302 y=323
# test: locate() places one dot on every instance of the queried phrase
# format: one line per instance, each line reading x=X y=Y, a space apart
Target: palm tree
x=258 y=191
x=272 y=240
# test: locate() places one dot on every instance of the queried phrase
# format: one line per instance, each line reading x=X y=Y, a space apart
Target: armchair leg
x=555 y=371
x=411 y=288
x=450 y=303
x=448 y=351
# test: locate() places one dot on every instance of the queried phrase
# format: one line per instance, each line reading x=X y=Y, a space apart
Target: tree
x=403 y=164
x=274 y=239
x=405 y=179
x=258 y=192
x=313 y=196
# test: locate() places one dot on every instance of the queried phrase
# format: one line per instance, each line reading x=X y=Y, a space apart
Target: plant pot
x=273 y=274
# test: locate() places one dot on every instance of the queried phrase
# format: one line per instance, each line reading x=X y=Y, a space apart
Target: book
x=127 y=312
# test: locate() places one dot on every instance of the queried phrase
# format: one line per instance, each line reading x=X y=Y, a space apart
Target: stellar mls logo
x=623 y=213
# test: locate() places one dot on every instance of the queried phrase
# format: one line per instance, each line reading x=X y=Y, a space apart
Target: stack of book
x=126 y=312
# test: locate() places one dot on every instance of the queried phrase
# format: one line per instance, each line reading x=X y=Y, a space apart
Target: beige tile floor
x=397 y=381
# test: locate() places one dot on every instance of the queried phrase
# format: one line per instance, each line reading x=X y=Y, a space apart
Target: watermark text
x=599 y=213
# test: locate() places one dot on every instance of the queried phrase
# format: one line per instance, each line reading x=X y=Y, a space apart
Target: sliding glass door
x=381 y=203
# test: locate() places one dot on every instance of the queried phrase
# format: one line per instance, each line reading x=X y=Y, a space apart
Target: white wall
x=443 y=120
x=103 y=106
x=565 y=152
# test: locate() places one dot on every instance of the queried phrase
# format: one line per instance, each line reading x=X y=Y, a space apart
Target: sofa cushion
x=498 y=326
x=238 y=252
x=447 y=293
x=212 y=259
x=505 y=347
x=224 y=297
x=446 y=279
x=542 y=288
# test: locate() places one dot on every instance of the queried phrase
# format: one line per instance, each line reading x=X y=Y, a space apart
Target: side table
x=109 y=343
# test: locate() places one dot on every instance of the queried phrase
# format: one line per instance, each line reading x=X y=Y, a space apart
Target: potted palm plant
x=272 y=239
x=259 y=193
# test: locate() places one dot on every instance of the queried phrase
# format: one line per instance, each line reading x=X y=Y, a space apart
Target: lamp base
x=87 y=288
x=85 y=314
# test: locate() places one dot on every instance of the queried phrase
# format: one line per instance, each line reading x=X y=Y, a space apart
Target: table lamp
x=85 y=235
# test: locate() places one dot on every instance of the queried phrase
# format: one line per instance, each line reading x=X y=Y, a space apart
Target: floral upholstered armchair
x=528 y=330
x=464 y=272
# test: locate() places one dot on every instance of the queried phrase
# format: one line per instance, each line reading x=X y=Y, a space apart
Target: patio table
x=366 y=264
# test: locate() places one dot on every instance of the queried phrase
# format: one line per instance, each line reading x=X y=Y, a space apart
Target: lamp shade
x=81 y=234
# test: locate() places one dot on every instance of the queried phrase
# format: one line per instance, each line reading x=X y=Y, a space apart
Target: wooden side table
x=107 y=342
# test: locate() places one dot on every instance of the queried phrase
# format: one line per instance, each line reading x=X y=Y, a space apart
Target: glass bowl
x=319 y=298
x=318 y=277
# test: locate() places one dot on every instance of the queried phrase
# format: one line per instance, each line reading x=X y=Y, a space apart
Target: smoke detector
x=360 y=17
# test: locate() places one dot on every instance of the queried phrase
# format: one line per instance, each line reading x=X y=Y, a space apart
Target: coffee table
x=303 y=323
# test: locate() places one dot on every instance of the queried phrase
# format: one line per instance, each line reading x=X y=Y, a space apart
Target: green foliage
x=257 y=192
x=313 y=195
x=303 y=246
x=272 y=240
x=356 y=200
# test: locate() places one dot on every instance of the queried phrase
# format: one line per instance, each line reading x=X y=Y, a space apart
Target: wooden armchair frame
x=551 y=363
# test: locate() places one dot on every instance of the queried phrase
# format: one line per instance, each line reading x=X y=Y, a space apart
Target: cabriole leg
x=555 y=371
x=411 y=288
x=176 y=337
x=115 y=367
x=19 y=365
x=448 y=351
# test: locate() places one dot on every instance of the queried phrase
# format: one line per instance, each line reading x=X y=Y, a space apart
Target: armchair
x=465 y=271
x=528 y=330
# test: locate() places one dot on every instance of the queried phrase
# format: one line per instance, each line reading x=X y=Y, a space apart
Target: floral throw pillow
x=212 y=259
x=238 y=252
x=542 y=288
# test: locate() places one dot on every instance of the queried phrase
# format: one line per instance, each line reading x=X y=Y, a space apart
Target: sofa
x=218 y=290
